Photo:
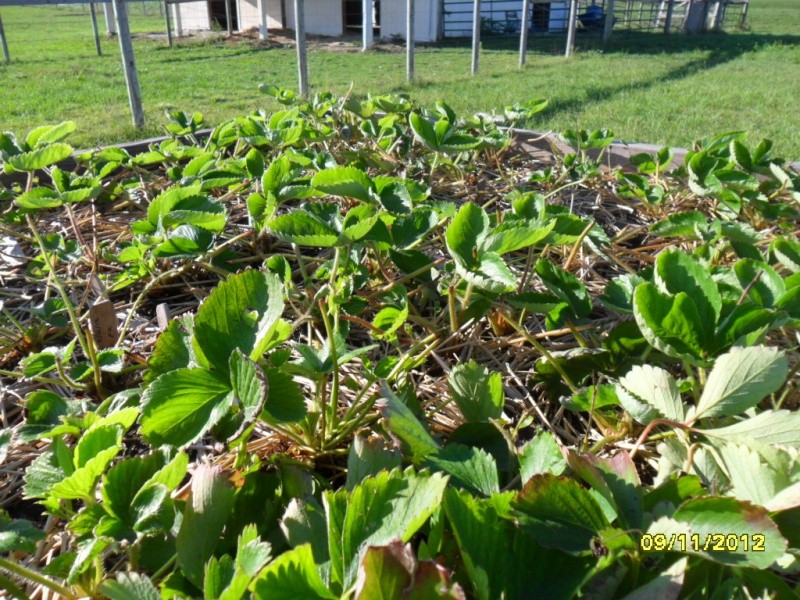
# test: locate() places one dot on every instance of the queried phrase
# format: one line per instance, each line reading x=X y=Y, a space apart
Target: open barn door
x=219 y=16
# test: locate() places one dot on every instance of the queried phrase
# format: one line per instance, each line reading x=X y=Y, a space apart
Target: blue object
x=594 y=17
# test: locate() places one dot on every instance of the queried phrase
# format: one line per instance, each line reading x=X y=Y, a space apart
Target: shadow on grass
x=729 y=44
x=719 y=48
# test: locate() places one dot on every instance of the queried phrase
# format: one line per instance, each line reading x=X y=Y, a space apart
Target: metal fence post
x=476 y=35
x=169 y=26
x=300 y=38
x=573 y=17
x=263 y=32
x=410 y=41
x=95 y=30
x=366 y=23
x=228 y=17
x=108 y=13
x=4 y=43
x=608 y=26
x=668 y=19
x=523 y=34
x=129 y=63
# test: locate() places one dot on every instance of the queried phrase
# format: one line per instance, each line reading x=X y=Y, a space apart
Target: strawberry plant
x=361 y=348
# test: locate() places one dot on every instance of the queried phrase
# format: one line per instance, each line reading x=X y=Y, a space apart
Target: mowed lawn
x=648 y=88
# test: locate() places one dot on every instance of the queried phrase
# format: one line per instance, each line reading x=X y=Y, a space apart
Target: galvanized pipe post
x=523 y=34
x=367 y=26
x=410 y=74
x=476 y=35
x=4 y=43
x=129 y=63
x=573 y=18
x=300 y=38
x=95 y=31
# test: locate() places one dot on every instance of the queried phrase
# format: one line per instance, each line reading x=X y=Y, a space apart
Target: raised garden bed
x=356 y=348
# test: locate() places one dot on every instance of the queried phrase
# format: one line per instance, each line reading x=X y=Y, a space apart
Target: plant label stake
x=410 y=41
x=162 y=315
x=103 y=324
x=300 y=38
x=476 y=35
x=129 y=63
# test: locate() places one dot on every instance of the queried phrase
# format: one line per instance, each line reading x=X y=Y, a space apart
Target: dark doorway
x=219 y=18
x=353 y=15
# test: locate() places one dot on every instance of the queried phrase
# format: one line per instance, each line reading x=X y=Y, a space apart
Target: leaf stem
x=652 y=425
x=36 y=577
x=62 y=291
x=331 y=333
x=543 y=351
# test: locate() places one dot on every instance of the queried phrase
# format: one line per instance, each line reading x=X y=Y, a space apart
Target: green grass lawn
x=648 y=87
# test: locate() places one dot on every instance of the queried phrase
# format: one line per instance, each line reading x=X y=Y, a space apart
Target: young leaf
x=478 y=394
x=285 y=402
x=40 y=158
x=764 y=286
x=291 y=576
x=670 y=324
x=515 y=235
x=678 y=272
x=203 y=521
x=752 y=480
x=541 y=455
x=347 y=182
x=560 y=512
x=18 y=534
x=466 y=232
x=304 y=229
x=172 y=351
x=130 y=586
x=239 y=313
x=741 y=379
x=384 y=507
x=402 y=423
x=249 y=385
x=492 y=274
x=369 y=456
x=470 y=468
x=424 y=130
x=81 y=483
x=786 y=250
x=566 y=286
x=180 y=406
x=772 y=427
x=484 y=540
x=657 y=388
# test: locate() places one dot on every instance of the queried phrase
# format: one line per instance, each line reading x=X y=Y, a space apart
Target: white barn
x=434 y=19
x=323 y=17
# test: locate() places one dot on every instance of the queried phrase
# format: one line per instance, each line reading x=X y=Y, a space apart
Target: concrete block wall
x=426 y=19
x=249 y=17
x=193 y=15
x=323 y=17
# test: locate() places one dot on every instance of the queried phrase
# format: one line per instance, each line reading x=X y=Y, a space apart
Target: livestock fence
x=459 y=18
